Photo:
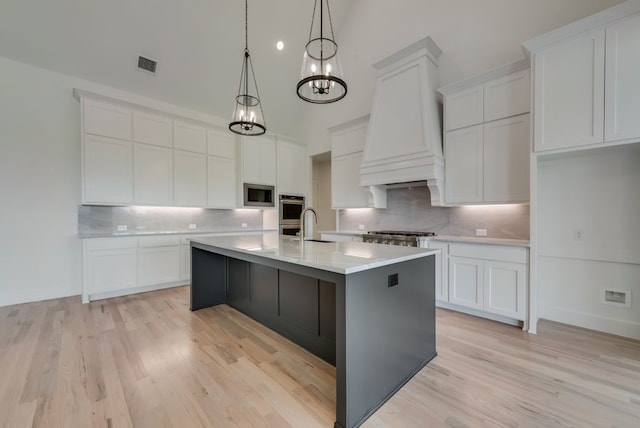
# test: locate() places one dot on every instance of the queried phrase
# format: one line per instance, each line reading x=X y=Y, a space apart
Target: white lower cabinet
x=124 y=265
x=110 y=264
x=487 y=279
x=465 y=282
x=158 y=260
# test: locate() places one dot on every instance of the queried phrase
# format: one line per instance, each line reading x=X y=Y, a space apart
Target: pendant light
x=248 y=118
x=320 y=78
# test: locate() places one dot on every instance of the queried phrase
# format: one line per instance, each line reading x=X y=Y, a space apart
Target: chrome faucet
x=302 y=216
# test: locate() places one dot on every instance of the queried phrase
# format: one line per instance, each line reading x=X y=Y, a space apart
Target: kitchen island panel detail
x=377 y=332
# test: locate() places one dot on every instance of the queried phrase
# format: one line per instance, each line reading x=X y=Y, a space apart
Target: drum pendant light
x=248 y=118
x=321 y=75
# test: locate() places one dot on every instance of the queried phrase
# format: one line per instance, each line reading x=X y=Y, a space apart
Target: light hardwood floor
x=147 y=361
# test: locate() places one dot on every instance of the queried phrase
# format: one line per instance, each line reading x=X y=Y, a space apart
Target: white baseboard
x=18 y=297
x=478 y=313
x=135 y=290
x=590 y=321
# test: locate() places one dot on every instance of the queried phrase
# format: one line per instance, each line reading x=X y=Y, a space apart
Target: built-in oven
x=290 y=209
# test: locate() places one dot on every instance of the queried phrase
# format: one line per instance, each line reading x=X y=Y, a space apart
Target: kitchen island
x=369 y=309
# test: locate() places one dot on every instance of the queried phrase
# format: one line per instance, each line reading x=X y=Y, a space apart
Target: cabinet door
x=221 y=182
x=507 y=96
x=569 y=93
x=159 y=265
x=345 y=183
x=293 y=168
x=464 y=108
x=506 y=160
x=442 y=270
x=108 y=120
x=189 y=137
x=505 y=289
x=466 y=282
x=152 y=129
x=111 y=270
x=190 y=179
x=623 y=80
x=221 y=144
x=463 y=165
x=153 y=175
x=185 y=263
x=107 y=171
x=259 y=160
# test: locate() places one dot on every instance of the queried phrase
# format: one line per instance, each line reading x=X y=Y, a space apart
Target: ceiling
x=198 y=44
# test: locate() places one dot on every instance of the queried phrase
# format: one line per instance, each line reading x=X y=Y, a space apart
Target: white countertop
x=479 y=240
x=136 y=233
x=345 y=232
x=339 y=257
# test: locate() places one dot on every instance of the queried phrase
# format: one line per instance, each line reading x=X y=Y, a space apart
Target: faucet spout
x=302 y=221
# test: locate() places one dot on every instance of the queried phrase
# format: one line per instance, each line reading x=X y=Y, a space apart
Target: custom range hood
x=403 y=147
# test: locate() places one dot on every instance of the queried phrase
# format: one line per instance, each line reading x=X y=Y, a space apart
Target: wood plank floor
x=147 y=361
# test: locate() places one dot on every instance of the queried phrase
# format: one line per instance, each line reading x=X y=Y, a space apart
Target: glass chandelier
x=248 y=118
x=320 y=77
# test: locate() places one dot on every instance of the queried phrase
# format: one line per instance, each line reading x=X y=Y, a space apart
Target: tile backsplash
x=410 y=209
x=104 y=221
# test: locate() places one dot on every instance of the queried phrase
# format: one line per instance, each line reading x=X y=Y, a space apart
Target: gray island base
x=367 y=308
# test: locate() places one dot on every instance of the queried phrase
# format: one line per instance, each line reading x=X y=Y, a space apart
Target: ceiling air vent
x=147 y=64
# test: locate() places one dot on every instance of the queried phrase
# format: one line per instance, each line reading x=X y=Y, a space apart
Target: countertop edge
x=479 y=240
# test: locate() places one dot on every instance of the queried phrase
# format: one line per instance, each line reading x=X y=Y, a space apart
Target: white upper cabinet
x=107 y=171
x=221 y=169
x=152 y=129
x=506 y=160
x=586 y=86
x=622 y=85
x=569 y=93
x=259 y=160
x=293 y=168
x=347 y=143
x=488 y=162
x=221 y=144
x=464 y=108
x=190 y=179
x=507 y=96
x=189 y=137
x=153 y=175
x=106 y=119
x=464 y=165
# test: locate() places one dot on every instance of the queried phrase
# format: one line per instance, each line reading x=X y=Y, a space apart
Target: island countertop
x=338 y=257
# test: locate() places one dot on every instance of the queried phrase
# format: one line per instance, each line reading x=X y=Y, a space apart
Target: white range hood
x=404 y=139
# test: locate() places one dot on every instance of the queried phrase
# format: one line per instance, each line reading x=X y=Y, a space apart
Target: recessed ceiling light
x=280 y=45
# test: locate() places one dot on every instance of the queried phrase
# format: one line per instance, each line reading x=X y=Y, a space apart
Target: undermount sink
x=317 y=240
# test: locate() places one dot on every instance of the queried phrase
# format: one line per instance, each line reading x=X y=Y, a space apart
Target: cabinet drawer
x=159 y=241
x=110 y=243
x=489 y=252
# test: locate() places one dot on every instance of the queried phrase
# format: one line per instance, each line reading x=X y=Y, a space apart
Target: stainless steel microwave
x=258 y=195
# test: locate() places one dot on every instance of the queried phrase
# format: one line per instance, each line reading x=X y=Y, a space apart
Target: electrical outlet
x=361 y=226
x=192 y=226
x=244 y=225
x=578 y=235
x=481 y=232
x=122 y=228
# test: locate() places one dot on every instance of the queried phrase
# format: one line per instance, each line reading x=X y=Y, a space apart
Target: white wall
x=40 y=255
x=596 y=193
x=474 y=36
